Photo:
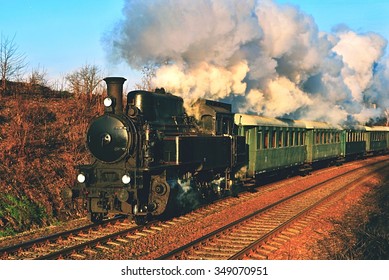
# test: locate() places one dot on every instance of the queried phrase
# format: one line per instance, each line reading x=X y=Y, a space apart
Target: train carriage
x=323 y=142
x=353 y=142
x=274 y=144
x=377 y=139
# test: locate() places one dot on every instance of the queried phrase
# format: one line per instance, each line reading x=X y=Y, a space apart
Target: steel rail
x=260 y=211
x=30 y=243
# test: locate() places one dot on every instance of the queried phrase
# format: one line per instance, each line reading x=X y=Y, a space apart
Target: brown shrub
x=41 y=142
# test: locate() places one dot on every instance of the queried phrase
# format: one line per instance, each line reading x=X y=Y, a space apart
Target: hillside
x=41 y=141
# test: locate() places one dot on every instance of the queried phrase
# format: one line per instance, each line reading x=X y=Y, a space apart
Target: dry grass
x=363 y=233
x=41 y=141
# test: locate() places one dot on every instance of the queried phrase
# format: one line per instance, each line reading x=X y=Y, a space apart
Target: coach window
x=266 y=140
x=273 y=139
x=291 y=133
x=259 y=140
x=296 y=138
x=286 y=138
x=280 y=139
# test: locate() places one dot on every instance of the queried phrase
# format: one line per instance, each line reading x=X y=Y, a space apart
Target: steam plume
x=266 y=58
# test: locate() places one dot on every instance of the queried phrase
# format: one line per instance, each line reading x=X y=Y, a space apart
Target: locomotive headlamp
x=108 y=102
x=81 y=178
x=126 y=179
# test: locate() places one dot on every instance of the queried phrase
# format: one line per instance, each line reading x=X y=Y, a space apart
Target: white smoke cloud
x=359 y=53
x=280 y=97
x=203 y=81
x=267 y=58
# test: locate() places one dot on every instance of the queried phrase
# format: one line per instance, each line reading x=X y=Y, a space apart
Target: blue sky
x=359 y=15
x=62 y=35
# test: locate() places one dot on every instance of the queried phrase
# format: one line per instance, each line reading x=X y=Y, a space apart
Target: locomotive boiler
x=146 y=151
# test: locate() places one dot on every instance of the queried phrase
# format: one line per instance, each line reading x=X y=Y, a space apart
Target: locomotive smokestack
x=115 y=91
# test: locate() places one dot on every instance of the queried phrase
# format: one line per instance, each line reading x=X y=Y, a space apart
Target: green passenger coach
x=354 y=142
x=323 y=141
x=377 y=139
x=273 y=143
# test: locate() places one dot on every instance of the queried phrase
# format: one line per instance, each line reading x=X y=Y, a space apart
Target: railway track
x=56 y=244
x=93 y=242
x=257 y=235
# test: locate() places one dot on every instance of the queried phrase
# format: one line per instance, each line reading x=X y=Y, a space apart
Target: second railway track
x=256 y=235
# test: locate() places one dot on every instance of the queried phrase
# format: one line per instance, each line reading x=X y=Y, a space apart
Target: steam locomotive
x=148 y=151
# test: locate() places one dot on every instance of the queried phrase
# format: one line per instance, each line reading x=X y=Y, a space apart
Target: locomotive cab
x=159 y=107
x=214 y=117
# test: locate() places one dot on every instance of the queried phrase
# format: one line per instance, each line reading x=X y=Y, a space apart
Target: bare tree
x=85 y=80
x=38 y=77
x=59 y=84
x=12 y=62
x=148 y=72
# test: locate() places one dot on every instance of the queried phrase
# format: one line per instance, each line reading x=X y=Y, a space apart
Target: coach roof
x=253 y=120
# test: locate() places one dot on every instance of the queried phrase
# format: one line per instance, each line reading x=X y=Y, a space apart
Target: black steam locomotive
x=149 y=149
